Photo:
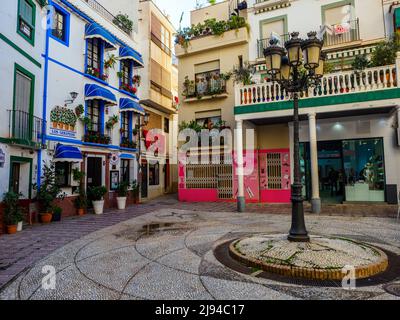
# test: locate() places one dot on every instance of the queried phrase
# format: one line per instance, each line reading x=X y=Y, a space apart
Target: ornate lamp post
x=287 y=70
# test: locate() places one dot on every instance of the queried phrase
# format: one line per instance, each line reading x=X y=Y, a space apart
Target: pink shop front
x=267 y=178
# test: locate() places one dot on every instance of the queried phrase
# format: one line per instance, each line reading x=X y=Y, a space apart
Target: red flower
x=176 y=100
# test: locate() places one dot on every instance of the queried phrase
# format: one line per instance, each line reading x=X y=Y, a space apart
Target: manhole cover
x=393 y=289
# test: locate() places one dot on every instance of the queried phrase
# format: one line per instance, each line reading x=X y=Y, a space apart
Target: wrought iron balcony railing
x=207 y=88
x=264 y=43
x=108 y=15
x=24 y=128
x=342 y=33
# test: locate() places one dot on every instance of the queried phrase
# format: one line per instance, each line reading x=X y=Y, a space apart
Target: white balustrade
x=332 y=84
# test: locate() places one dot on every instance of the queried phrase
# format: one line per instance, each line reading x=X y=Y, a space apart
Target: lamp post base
x=298 y=231
x=241 y=204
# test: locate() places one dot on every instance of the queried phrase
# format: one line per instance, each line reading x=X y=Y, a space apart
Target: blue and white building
x=83 y=74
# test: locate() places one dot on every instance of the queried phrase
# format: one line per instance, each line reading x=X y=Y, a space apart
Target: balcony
x=206 y=90
x=25 y=130
x=108 y=15
x=337 y=88
x=96 y=137
x=340 y=34
x=264 y=43
x=213 y=42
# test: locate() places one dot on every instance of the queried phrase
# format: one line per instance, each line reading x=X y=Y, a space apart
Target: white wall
x=306 y=15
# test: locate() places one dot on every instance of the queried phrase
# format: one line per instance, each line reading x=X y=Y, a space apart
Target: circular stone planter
x=323 y=258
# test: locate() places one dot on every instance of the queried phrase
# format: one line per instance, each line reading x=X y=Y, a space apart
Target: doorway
x=331 y=171
x=20 y=180
x=94 y=172
x=144 y=180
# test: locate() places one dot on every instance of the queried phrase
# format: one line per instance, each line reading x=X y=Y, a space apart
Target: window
x=126 y=69
x=93 y=54
x=63 y=174
x=208 y=119
x=161 y=79
x=154 y=174
x=275 y=26
x=93 y=113
x=166 y=125
x=23 y=103
x=26 y=20
x=338 y=15
x=125 y=167
x=160 y=35
x=125 y=124
x=60 y=25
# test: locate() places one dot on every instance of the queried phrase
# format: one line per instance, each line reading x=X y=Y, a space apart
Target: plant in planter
x=79 y=110
x=96 y=195
x=110 y=62
x=57 y=212
x=81 y=202
x=135 y=191
x=128 y=88
x=87 y=122
x=122 y=194
x=48 y=192
x=12 y=211
x=112 y=121
x=136 y=80
x=124 y=21
x=244 y=74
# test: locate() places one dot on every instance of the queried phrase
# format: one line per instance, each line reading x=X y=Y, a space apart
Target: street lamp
x=285 y=69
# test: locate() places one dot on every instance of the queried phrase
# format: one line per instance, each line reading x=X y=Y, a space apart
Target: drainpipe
x=45 y=82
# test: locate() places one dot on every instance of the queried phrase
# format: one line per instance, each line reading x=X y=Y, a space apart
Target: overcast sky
x=174 y=9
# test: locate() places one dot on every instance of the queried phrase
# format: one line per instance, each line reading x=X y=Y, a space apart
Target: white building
x=21 y=69
x=81 y=76
x=349 y=125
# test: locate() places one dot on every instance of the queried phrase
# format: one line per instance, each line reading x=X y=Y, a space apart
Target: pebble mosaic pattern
x=168 y=254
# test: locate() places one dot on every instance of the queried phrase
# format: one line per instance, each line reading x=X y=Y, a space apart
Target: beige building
x=157 y=97
x=207 y=97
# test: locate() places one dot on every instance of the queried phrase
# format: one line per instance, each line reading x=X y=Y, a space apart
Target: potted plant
x=57 y=212
x=81 y=202
x=12 y=211
x=135 y=192
x=122 y=194
x=48 y=192
x=97 y=196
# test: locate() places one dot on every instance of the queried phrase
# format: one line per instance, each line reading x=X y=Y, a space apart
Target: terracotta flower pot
x=46 y=217
x=12 y=229
x=81 y=212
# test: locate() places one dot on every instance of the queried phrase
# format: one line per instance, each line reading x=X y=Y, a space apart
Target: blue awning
x=66 y=153
x=94 y=30
x=131 y=54
x=96 y=92
x=127 y=156
x=126 y=104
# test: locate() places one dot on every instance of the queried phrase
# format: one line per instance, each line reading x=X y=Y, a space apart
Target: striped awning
x=96 y=92
x=126 y=104
x=131 y=54
x=94 y=30
x=66 y=153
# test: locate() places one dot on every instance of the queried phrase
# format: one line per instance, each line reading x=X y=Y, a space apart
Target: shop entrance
x=331 y=172
x=349 y=170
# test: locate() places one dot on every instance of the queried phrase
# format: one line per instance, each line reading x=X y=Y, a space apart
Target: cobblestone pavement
x=164 y=250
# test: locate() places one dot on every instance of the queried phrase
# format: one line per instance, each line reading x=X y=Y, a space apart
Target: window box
x=97 y=74
x=128 y=88
x=97 y=137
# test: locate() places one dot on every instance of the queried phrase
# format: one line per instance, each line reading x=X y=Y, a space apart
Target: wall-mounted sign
x=114 y=160
x=2 y=158
x=63 y=122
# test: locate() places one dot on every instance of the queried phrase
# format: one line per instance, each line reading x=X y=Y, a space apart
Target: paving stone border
x=361 y=272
